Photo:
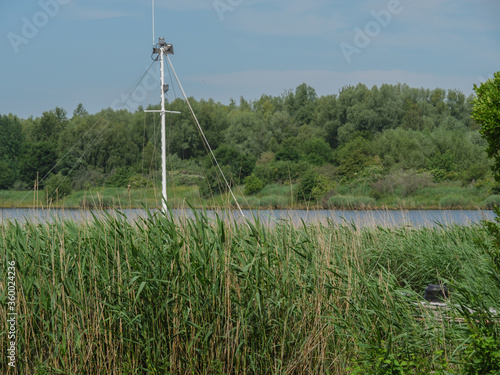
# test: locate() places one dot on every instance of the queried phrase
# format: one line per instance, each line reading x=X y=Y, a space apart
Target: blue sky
x=65 y=52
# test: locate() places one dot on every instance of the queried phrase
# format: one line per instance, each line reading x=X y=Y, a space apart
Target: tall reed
x=213 y=296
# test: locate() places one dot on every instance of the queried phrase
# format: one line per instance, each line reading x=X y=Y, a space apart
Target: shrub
x=184 y=177
x=281 y=171
x=264 y=172
x=273 y=201
x=214 y=183
x=404 y=183
x=20 y=185
x=492 y=201
x=354 y=188
x=86 y=178
x=286 y=171
x=137 y=181
x=353 y=157
x=482 y=356
x=474 y=173
x=327 y=170
x=240 y=164
x=307 y=185
x=119 y=178
x=454 y=201
x=57 y=186
x=276 y=189
x=253 y=184
x=322 y=186
x=265 y=158
x=495 y=188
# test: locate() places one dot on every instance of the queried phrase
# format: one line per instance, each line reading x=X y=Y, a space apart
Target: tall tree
x=80 y=111
x=302 y=104
x=7 y=175
x=11 y=137
x=50 y=125
x=11 y=141
x=37 y=159
x=486 y=111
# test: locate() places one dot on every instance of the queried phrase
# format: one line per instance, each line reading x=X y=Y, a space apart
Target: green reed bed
x=208 y=296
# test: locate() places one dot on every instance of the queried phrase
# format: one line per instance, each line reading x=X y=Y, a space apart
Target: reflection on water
x=370 y=218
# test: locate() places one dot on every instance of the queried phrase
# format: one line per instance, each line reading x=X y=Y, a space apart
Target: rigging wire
x=203 y=135
x=171 y=80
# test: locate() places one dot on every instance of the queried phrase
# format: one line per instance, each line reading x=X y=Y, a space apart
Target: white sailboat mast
x=163 y=49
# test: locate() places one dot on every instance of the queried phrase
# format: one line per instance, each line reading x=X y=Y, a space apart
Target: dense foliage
x=374 y=136
x=486 y=111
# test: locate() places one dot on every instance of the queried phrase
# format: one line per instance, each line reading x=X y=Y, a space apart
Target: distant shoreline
x=273 y=197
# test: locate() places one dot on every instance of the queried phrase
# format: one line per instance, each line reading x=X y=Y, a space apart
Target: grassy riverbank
x=443 y=196
x=208 y=297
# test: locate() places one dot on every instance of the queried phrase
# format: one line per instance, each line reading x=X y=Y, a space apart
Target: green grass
x=275 y=189
x=492 y=201
x=10 y=198
x=451 y=196
x=104 y=198
x=445 y=196
x=205 y=296
x=347 y=202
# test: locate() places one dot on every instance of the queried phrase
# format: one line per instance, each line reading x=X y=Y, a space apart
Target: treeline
x=387 y=136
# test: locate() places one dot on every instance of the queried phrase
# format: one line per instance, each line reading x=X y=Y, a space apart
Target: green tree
x=240 y=165
x=456 y=103
x=282 y=126
x=37 y=159
x=80 y=111
x=302 y=104
x=326 y=117
x=288 y=153
x=50 y=125
x=403 y=148
x=317 y=151
x=486 y=111
x=11 y=137
x=247 y=133
x=7 y=175
x=214 y=120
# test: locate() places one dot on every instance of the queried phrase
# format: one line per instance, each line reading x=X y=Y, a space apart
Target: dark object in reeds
x=436 y=293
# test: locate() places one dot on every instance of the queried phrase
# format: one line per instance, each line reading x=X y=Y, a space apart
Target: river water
x=370 y=218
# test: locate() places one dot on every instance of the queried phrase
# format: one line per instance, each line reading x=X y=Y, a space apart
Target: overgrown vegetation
x=394 y=140
x=209 y=296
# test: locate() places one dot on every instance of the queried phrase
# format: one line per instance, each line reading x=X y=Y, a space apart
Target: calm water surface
x=384 y=218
